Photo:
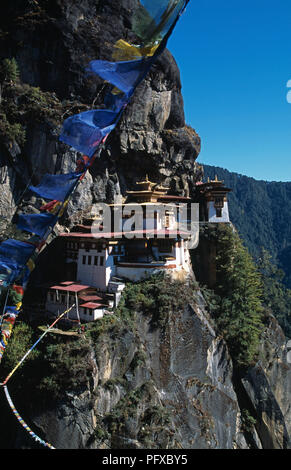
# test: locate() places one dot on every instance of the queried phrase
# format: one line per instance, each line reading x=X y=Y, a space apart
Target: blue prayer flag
x=36 y=223
x=85 y=131
x=8 y=272
x=56 y=186
x=124 y=75
x=16 y=251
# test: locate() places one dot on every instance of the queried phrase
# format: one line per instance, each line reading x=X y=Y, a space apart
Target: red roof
x=88 y=298
x=71 y=288
x=91 y=305
x=66 y=283
x=120 y=234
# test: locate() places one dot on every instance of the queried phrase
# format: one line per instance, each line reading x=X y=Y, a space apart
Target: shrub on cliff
x=239 y=285
x=11 y=132
x=157 y=297
x=18 y=345
x=9 y=71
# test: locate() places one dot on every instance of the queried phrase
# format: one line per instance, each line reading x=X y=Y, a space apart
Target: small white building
x=88 y=306
x=212 y=198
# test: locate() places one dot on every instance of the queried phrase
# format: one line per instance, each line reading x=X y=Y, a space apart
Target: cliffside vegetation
x=22 y=105
x=276 y=296
x=236 y=303
x=61 y=363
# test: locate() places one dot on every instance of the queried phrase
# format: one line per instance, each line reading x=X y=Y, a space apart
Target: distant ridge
x=261 y=212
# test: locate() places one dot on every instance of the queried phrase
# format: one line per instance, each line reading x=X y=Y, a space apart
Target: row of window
x=86 y=245
x=93 y=260
x=73 y=245
x=61 y=298
x=87 y=311
x=117 y=249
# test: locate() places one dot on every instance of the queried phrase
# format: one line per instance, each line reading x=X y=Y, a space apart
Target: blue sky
x=235 y=62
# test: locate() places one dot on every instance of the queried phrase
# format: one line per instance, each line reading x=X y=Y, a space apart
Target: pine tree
x=276 y=296
x=239 y=286
x=9 y=70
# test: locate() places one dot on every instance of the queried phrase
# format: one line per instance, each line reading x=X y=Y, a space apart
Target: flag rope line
x=4 y=308
x=10 y=402
x=35 y=344
x=23 y=423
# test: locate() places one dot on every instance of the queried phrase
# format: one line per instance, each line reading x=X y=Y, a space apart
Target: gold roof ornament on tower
x=146 y=185
x=147 y=192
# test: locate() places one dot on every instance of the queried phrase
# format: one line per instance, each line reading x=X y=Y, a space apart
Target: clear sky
x=235 y=61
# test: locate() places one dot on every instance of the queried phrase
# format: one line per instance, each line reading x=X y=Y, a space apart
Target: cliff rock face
x=267 y=386
x=170 y=386
x=153 y=388
x=52 y=43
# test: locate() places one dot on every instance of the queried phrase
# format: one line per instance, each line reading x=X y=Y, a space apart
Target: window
x=84 y=259
x=218 y=203
x=63 y=298
x=96 y=260
x=85 y=310
x=99 y=249
x=101 y=261
x=165 y=246
x=218 y=212
x=89 y=259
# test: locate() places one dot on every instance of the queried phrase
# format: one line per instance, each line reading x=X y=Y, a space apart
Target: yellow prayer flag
x=125 y=51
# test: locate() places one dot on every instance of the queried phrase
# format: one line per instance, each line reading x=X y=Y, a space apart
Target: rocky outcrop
x=153 y=388
x=172 y=386
x=57 y=40
x=267 y=386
